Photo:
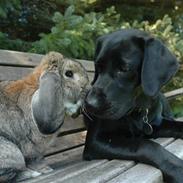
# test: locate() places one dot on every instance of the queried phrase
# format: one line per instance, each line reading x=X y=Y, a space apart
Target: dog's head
x=125 y=60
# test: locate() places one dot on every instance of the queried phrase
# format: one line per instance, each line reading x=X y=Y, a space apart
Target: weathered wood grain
x=62 y=174
x=176 y=148
x=72 y=125
x=19 y=58
x=66 y=142
x=102 y=173
x=106 y=171
x=13 y=73
x=140 y=173
x=173 y=94
x=180 y=119
x=147 y=174
x=22 y=59
x=164 y=141
x=61 y=160
x=64 y=159
x=27 y=174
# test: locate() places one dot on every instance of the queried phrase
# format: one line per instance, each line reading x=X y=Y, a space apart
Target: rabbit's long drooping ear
x=158 y=67
x=48 y=103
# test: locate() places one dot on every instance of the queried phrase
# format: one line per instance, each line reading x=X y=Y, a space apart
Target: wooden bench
x=64 y=158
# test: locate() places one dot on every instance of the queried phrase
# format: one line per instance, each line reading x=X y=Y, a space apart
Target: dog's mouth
x=108 y=114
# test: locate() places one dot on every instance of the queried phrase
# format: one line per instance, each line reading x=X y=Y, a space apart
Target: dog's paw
x=174 y=175
x=87 y=156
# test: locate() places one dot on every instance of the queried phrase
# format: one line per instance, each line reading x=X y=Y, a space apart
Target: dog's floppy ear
x=158 y=67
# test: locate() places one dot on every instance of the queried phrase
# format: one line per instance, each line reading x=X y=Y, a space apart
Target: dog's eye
x=124 y=68
x=69 y=74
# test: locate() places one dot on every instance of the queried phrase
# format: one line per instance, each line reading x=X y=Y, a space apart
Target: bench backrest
x=14 y=65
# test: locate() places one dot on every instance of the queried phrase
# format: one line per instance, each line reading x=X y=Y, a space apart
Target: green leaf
x=54 y=30
x=69 y=11
x=2 y=13
x=58 y=17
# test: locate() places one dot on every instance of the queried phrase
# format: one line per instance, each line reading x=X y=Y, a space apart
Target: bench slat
x=102 y=173
x=105 y=173
x=147 y=174
x=64 y=159
x=72 y=125
x=66 y=142
x=99 y=174
x=61 y=144
x=13 y=73
x=181 y=118
x=139 y=174
x=164 y=141
x=23 y=59
x=19 y=58
x=176 y=148
x=70 y=171
x=74 y=171
x=173 y=94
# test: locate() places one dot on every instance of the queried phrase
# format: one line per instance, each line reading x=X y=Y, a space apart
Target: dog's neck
x=142 y=113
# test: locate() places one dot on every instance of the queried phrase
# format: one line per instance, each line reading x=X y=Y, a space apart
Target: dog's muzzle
x=95 y=102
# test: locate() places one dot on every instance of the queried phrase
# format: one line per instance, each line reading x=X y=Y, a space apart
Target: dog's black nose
x=91 y=104
x=95 y=101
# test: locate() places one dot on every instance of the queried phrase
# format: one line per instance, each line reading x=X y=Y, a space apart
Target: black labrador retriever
x=125 y=107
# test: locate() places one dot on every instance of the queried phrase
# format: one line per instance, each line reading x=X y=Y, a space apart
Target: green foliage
x=74 y=35
x=177 y=107
x=16 y=44
x=164 y=30
x=5 y=6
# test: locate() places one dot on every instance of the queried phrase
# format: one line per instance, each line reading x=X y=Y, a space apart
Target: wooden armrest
x=173 y=94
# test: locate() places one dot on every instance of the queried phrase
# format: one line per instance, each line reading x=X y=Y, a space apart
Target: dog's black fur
x=125 y=107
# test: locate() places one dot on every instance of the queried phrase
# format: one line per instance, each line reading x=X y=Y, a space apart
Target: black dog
x=125 y=107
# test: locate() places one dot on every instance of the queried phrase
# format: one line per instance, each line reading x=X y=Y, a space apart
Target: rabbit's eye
x=69 y=74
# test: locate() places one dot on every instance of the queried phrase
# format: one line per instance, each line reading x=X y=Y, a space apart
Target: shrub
x=74 y=35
